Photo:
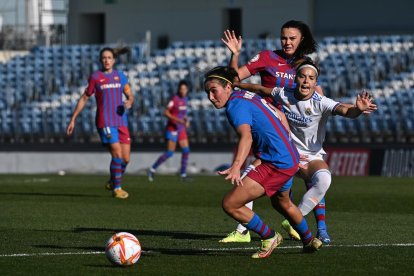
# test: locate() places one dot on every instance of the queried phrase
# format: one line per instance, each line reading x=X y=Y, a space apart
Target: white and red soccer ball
x=123 y=249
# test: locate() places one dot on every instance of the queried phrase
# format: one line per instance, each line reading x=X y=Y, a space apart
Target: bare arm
x=243 y=149
x=78 y=109
x=130 y=97
x=234 y=44
x=363 y=104
x=256 y=88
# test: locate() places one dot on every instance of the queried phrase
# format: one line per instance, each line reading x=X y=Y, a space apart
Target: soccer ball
x=123 y=249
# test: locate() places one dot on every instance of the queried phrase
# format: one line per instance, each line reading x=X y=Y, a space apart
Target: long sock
x=184 y=161
x=320 y=214
x=162 y=159
x=317 y=188
x=304 y=231
x=258 y=226
x=240 y=227
x=116 y=172
x=123 y=166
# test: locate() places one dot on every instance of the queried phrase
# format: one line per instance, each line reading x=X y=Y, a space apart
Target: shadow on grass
x=160 y=233
x=49 y=194
x=54 y=246
x=153 y=251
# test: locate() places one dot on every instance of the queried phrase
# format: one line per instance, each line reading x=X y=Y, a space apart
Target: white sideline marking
x=209 y=249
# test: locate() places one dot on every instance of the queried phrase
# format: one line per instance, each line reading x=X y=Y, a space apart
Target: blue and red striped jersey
x=108 y=90
x=275 y=70
x=178 y=108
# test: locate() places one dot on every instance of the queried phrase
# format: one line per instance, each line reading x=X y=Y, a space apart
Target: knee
x=281 y=204
x=321 y=180
x=169 y=153
x=228 y=206
x=186 y=150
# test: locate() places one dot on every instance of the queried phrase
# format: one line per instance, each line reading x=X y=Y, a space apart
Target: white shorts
x=320 y=155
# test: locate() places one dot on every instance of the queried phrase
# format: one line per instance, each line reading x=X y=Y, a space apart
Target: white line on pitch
x=207 y=249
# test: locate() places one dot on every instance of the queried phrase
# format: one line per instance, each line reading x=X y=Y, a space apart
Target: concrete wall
x=183 y=20
x=369 y=17
x=98 y=162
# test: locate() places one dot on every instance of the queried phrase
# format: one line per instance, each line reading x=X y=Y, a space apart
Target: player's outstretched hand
x=232 y=42
x=364 y=102
x=233 y=175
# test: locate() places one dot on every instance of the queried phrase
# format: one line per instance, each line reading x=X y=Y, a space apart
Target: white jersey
x=307 y=118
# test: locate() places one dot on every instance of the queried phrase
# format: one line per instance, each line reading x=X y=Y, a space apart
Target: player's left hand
x=186 y=122
x=233 y=175
x=364 y=102
x=127 y=104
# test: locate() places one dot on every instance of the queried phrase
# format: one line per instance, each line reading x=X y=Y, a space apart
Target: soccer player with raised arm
x=307 y=113
x=276 y=69
x=109 y=85
x=259 y=127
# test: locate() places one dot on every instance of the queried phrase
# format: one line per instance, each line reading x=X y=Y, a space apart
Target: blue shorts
x=112 y=135
x=175 y=136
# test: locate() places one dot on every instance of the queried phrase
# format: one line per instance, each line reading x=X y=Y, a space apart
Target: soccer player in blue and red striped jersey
x=109 y=85
x=259 y=127
x=176 y=131
x=277 y=68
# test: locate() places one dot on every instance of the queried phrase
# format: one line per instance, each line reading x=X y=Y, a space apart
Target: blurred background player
x=277 y=68
x=109 y=86
x=307 y=113
x=176 y=130
x=259 y=127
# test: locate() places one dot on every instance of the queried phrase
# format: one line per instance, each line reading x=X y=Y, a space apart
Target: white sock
x=321 y=180
x=240 y=227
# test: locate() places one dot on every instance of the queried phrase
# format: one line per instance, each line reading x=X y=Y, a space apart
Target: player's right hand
x=233 y=175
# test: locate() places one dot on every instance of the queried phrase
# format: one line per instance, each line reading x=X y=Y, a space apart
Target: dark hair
x=301 y=60
x=309 y=62
x=227 y=73
x=308 y=45
x=115 y=51
x=182 y=82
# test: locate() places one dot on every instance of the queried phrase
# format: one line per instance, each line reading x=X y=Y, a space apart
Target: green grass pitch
x=61 y=223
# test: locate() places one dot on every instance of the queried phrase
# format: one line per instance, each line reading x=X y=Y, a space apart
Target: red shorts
x=273 y=179
x=124 y=137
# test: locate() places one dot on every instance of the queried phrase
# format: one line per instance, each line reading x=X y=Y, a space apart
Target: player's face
x=306 y=82
x=217 y=94
x=183 y=90
x=290 y=39
x=107 y=60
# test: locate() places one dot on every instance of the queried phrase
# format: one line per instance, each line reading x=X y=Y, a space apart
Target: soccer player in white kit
x=307 y=113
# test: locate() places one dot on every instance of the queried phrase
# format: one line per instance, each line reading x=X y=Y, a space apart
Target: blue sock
x=162 y=158
x=304 y=231
x=184 y=161
x=116 y=172
x=320 y=212
x=123 y=166
x=258 y=226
